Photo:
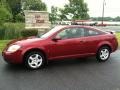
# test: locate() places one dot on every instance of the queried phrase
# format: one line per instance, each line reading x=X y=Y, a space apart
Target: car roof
x=81 y=26
x=67 y=26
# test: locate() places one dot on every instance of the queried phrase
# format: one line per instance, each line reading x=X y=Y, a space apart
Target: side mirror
x=56 y=39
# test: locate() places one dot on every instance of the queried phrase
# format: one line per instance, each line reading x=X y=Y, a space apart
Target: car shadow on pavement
x=56 y=64
x=13 y=68
x=71 y=62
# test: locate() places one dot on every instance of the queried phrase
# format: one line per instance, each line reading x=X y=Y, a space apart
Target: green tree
x=4 y=4
x=15 y=7
x=117 y=18
x=20 y=17
x=5 y=15
x=76 y=9
x=34 y=5
x=100 y=18
x=106 y=18
x=53 y=16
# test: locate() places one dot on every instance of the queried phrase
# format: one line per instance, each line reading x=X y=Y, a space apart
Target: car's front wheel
x=34 y=60
x=103 y=54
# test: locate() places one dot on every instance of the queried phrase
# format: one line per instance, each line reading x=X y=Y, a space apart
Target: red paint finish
x=63 y=48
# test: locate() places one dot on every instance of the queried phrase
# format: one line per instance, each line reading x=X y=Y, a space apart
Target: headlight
x=13 y=48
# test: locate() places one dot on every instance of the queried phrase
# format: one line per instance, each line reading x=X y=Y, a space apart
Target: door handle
x=82 y=41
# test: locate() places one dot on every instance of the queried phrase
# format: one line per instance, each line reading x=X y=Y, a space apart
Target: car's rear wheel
x=34 y=60
x=103 y=54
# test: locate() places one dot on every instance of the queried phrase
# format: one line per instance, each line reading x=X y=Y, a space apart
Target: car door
x=92 y=39
x=70 y=45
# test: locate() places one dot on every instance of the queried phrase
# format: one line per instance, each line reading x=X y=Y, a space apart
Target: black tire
x=32 y=54
x=103 y=58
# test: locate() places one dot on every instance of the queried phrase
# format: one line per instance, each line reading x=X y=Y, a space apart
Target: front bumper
x=14 y=58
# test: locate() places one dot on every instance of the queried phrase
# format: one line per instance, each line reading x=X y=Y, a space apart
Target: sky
x=112 y=7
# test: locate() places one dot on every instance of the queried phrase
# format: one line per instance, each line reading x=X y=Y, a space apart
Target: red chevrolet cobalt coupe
x=59 y=43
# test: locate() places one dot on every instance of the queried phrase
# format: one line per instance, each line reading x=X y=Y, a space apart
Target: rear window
x=91 y=32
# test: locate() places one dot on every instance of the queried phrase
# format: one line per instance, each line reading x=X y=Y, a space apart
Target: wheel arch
x=34 y=49
x=105 y=45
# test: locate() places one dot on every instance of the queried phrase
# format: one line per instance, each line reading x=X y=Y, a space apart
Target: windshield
x=52 y=31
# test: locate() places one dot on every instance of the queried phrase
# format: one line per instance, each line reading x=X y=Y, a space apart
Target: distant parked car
x=61 y=42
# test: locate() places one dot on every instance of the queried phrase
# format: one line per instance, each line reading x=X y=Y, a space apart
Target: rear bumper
x=116 y=48
x=115 y=45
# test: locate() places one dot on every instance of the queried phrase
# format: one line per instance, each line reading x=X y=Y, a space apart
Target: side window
x=90 y=32
x=71 y=33
x=80 y=32
x=63 y=34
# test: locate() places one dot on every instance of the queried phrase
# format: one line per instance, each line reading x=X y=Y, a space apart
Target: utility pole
x=103 y=11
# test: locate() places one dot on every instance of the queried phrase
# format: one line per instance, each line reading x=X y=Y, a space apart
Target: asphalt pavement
x=110 y=28
x=78 y=74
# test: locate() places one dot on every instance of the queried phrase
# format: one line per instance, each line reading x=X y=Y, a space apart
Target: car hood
x=25 y=41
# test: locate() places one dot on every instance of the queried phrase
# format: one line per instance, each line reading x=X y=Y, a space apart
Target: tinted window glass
x=90 y=32
x=71 y=33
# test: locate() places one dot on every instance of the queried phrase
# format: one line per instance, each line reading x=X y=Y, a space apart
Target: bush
x=15 y=30
x=5 y=15
x=31 y=32
x=2 y=32
x=11 y=30
x=20 y=18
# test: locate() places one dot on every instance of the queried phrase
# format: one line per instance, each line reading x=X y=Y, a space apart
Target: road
x=79 y=74
x=110 y=28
